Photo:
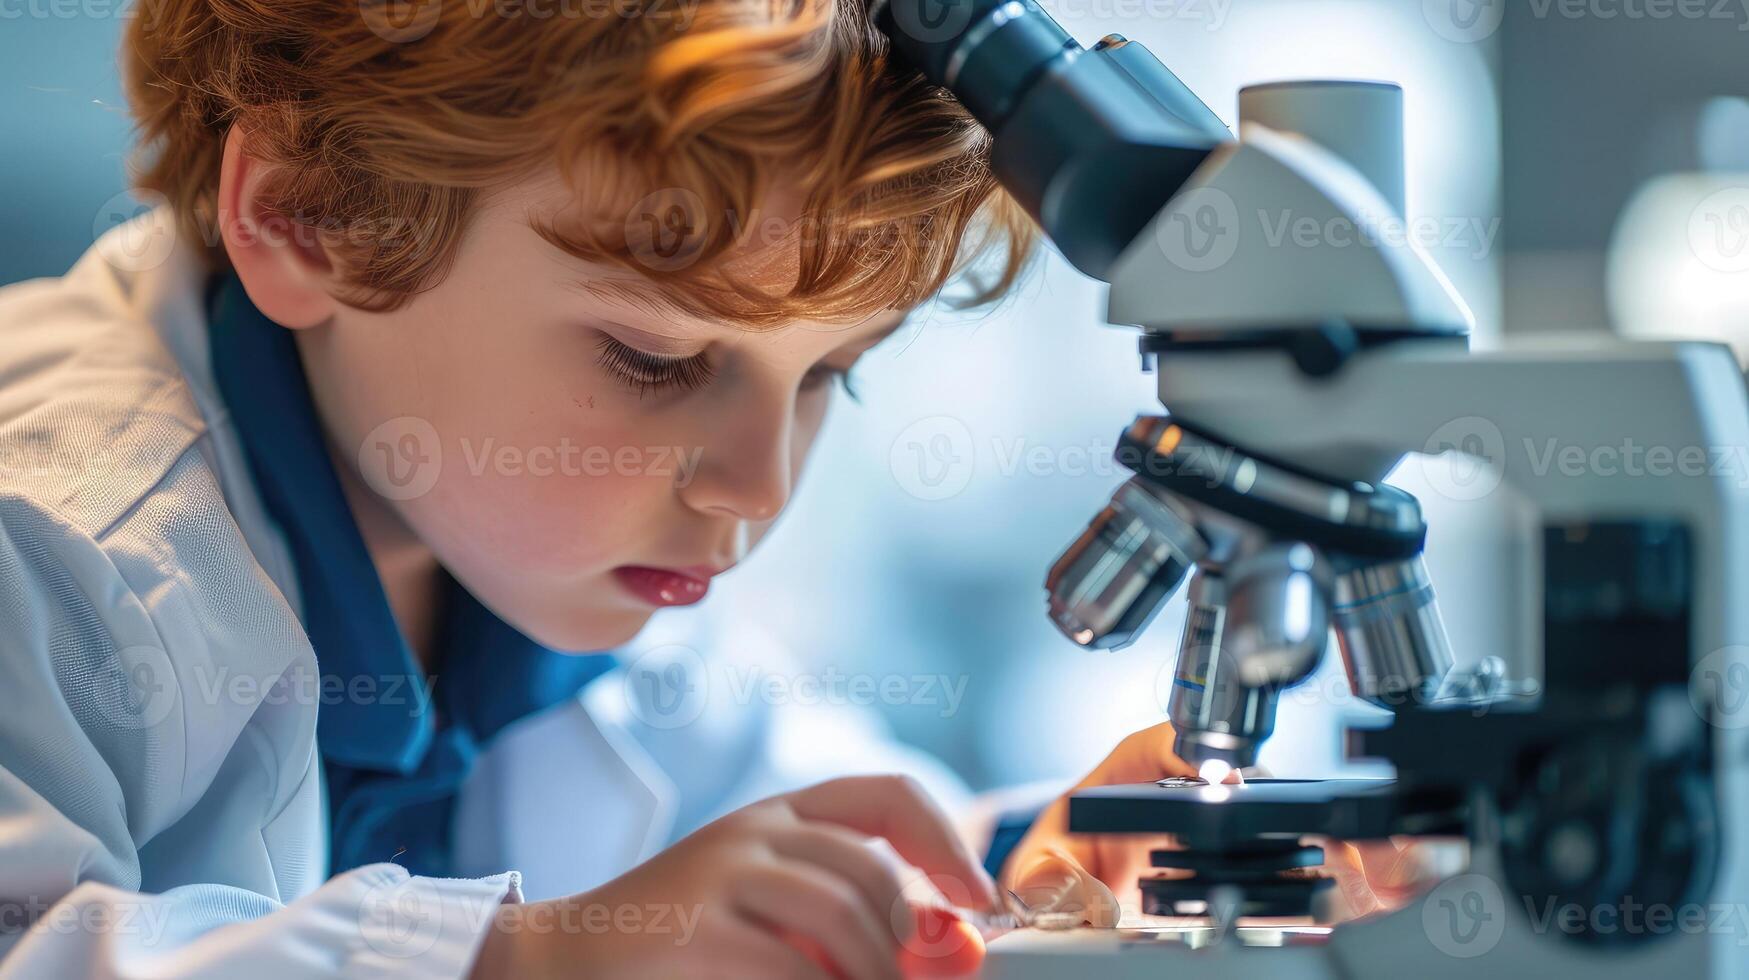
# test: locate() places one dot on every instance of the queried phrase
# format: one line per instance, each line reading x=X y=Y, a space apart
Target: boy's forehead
x=766 y=255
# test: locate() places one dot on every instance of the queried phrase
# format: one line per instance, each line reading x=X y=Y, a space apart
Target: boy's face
x=575 y=460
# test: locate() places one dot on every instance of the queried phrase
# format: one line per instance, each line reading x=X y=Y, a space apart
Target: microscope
x=1594 y=761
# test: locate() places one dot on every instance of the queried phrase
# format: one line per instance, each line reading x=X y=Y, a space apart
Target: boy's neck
x=409 y=572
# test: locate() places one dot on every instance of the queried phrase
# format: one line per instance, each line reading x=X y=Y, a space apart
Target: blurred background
x=1583 y=170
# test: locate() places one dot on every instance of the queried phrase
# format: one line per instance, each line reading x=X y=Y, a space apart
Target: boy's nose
x=745 y=469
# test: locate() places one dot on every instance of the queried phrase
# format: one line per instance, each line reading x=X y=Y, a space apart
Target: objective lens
x=1393 y=641
x=1216 y=717
x=1108 y=585
x=1278 y=614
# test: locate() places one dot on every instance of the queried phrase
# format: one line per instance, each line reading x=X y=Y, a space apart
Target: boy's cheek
x=552 y=524
x=543 y=562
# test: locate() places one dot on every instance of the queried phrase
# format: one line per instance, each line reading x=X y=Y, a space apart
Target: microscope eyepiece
x=987 y=52
x=1093 y=143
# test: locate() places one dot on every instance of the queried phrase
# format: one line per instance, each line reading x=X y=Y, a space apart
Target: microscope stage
x=1227 y=817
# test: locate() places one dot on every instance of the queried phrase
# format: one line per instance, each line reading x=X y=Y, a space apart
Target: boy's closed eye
x=648 y=373
x=651 y=373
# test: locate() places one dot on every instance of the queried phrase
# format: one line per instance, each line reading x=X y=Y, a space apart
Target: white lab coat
x=161 y=807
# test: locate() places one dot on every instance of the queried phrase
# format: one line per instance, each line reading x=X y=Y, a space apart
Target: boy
x=235 y=438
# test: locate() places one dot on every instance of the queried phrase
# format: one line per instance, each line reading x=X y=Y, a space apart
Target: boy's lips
x=666 y=586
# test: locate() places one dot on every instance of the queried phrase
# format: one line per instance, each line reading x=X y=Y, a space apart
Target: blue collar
x=394 y=756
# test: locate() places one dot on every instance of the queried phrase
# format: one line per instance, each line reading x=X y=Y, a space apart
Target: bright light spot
x=1214 y=772
x=1297 y=614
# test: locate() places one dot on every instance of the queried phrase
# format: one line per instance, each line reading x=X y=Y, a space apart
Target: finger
x=896 y=808
x=848 y=855
x=1384 y=866
x=1054 y=881
x=1143 y=757
x=1044 y=878
x=1354 y=896
x=947 y=946
x=752 y=950
x=825 y=909
x=1397 y=869
x=1089 y=898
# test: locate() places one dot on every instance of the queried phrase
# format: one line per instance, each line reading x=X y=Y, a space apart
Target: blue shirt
x=396 y=743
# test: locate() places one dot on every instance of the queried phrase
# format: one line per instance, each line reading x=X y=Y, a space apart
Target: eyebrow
x=654 y=304
x=646 y=301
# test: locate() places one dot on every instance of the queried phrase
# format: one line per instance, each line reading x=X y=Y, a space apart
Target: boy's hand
x=1083 y=874
x=792 y=886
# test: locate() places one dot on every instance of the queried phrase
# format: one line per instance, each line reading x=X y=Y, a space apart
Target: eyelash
x=646 y=372
x=822 y=376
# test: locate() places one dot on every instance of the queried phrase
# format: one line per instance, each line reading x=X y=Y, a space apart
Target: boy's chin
x=591 y=632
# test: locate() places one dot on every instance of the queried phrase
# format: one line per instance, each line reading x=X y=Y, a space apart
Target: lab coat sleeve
x=101 y=779
x=372 y=922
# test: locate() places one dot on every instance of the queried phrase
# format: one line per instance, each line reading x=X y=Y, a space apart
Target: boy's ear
x=285 y=269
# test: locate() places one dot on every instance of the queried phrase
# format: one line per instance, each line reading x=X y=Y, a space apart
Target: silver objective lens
x=1106 y=588
x=1278 y=614
x=1215 y=716
x=1392 y=638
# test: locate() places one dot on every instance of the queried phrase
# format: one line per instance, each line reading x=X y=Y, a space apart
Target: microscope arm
x=1434 y=395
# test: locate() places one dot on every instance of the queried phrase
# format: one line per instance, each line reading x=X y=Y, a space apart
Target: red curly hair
x=387 y=120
